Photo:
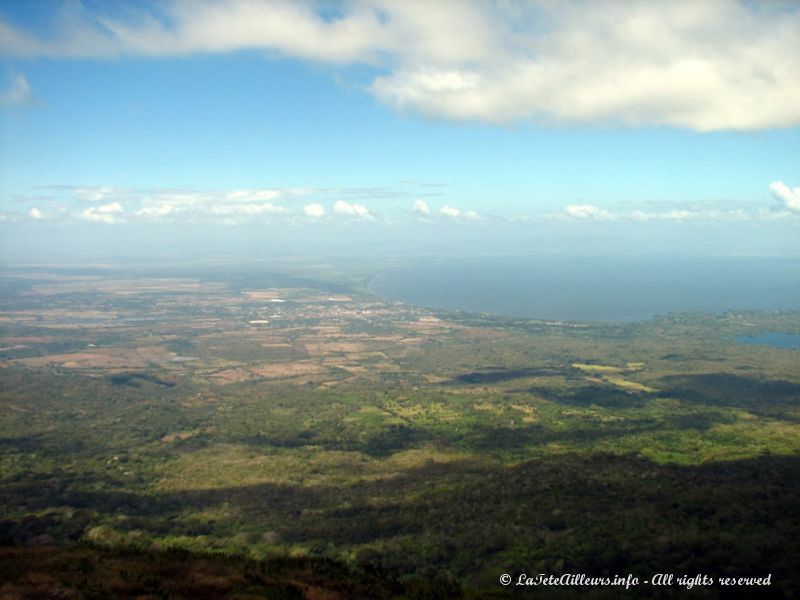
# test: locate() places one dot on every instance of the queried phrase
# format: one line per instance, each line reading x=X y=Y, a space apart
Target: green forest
x=289 y=435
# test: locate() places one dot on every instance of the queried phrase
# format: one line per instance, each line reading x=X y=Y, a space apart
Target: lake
x=772 y=338
x=595 y=289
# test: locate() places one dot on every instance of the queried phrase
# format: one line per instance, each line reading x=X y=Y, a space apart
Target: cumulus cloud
x=253 y=195
x=19 y=93
x=265 y=208
x=95 y=194
x=112 y=208
x=586 y=211
x=421 y=207
x=590 y=211
x=697 y=64
x=106 y=213
x=341 y=207
x=227 y=206
x=449 y=211
x=37 y=214
x=91 y=214
x=232 y=206
x=670 y=215
x=314 y=211
x=790 y=197
x=157 y=210
x=709 y=211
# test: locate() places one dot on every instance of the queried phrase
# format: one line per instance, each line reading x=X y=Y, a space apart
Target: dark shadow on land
x=39 y=443
x=488 y=439
x=85 y=571
x=501 y=374
x=383 y=443
x=387 y=440
x=136 y=378
x=766 y=397
x=606 y=396
x=599 y=514
x=479 y=438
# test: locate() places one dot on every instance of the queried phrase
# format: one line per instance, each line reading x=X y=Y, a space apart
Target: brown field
x=45 y=316
x=325 y=348
x=103 y=358
x=181 y=435
x=284 y=370
x=28 y=339
x=327 y=330
x=121 y=286
x=262 y=295
x=234 y=375
x=287 y=369
x=429 y=326
x=316 y=298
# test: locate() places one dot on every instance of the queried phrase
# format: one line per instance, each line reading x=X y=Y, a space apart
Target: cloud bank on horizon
x=698 y=65
x=112 y=206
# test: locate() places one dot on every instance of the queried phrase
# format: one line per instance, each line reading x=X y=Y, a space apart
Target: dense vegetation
x=375 y=445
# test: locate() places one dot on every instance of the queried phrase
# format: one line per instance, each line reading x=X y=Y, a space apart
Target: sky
x=188 y=128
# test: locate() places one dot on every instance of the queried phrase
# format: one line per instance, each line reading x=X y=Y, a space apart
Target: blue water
x=595 y=289
x=778 y=340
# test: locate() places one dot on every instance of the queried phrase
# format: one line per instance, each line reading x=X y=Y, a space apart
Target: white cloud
x=315 y=211
x=91 y=215
x=708 y=211
x=37 y=214
x=670 y=215
x=341 y=207
x=160 y=204
x=169 y=203
x=19 y=92
x=789 y=196
x=703 y=65
x=253 y=195
x=697 y=64
x=589 y=211
x=450 y=211
x=247 y=210
x=586 y=211
x=113 y=208
x=106 y=213
x=421 y=207
x=158 y=210
x=96 y=194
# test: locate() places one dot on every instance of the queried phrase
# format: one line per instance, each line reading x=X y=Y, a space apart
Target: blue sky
x=269 y=127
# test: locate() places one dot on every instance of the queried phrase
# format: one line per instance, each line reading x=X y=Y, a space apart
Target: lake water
x=595 y=289
x=776 y=339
